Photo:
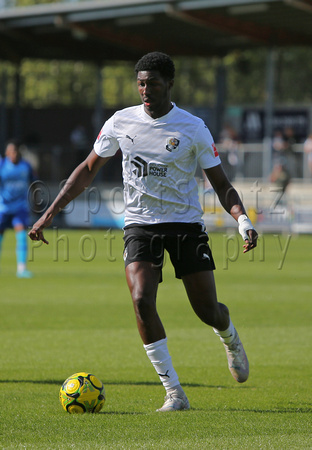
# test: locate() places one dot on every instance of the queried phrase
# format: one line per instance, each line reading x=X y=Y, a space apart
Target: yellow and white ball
x=82 y=392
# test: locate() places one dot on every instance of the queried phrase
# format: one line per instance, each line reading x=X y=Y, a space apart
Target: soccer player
x=16 y=175
x=161 y=145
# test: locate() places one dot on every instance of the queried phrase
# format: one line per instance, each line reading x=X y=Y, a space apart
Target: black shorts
x=187 y=245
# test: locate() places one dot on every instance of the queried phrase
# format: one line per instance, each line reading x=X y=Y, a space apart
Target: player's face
x=12 y=153
x=155 y=93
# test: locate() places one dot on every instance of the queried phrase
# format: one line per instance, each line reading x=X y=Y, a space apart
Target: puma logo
x=164 y=374
x=131 y=139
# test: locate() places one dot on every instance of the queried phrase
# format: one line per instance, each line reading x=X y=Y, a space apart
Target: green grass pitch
x=76 y=315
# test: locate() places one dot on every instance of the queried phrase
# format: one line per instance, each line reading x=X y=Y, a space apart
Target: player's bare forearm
x=226 y=193
x=78 y=181
x=232 y=203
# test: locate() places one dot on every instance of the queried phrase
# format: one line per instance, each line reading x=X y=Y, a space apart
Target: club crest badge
x=172 y=144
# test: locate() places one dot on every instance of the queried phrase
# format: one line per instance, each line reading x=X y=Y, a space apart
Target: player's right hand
x=36 y=233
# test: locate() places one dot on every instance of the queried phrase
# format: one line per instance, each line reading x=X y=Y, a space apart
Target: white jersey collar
x=162 y=118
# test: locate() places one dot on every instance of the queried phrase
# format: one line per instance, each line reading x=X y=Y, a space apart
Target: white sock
x=21 y=267
x=227 y=335
x=161 y=360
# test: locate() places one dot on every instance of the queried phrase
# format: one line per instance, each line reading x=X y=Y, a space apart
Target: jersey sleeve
x=106 y=143
x=207 y=154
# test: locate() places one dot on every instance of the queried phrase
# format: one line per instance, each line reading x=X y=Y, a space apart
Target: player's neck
x=159 y=112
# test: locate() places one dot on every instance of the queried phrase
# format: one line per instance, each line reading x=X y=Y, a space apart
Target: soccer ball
x=82 y=392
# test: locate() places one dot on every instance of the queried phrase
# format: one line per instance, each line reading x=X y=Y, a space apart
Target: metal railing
x=247 y=162
x=6 y=4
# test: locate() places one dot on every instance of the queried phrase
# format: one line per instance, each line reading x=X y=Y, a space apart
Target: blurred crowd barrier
x=272 y=207
x=246 y=162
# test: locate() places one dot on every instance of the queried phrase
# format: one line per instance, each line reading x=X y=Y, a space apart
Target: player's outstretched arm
x=78 y=181
x=232 y=203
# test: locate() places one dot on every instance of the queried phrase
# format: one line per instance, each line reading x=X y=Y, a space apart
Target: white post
x=269 y=112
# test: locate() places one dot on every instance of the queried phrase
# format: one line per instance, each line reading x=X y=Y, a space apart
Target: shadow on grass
x=301 y=410
x=293 y=410
x=126 y=383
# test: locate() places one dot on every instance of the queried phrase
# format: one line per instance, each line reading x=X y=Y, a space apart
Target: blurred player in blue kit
x=161 y=146
x=16 y=176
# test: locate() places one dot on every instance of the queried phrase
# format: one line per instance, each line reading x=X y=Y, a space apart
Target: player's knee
x=144 y=304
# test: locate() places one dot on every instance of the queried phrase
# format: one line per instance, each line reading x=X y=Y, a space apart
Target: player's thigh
x=143 y=278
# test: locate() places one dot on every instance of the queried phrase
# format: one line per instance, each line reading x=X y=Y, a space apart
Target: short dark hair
x=156 y=61
x=14 y=141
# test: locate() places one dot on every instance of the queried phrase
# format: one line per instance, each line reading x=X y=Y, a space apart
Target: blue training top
x=15 y=180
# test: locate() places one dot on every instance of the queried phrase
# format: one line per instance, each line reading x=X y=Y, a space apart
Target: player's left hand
x=251 y=242
x=247 y=232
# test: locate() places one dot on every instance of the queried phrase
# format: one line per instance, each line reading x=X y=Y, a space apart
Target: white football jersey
x=159 y=162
